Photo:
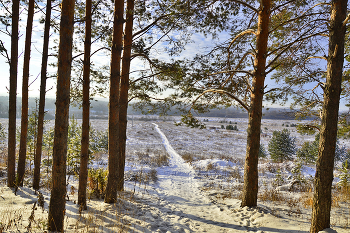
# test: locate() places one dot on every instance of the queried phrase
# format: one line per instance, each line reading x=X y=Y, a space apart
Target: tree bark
x=24 y=119
x=11 y=157
x=113 y=143
x=84 y=155
x=322 y=199
x=124 y=87
x=250 y=188
x=41 y=115
x=58 y=192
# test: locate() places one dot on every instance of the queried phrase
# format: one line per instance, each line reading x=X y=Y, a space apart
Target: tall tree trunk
x=11 y=157
x=24 y=119
x=41 y=115
x=322 y=199
x=111 y=189
x=124 y=87
x=58 y=191
x=250 y=188
x=84 y=155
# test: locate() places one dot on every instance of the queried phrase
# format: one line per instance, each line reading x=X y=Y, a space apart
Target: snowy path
x=188 y=208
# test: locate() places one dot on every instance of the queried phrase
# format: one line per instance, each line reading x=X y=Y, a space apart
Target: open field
x=181 y=179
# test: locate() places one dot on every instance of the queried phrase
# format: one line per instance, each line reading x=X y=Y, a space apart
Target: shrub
x=160 y=160
x=222 y=127
x=142 y=176
x=153 y=174
x=309 y=151
x=97 y=180
x=188 y=157
x=345 y=175
x=231 y=127
x=279 y=180
x=281 y=146
x=210 y=167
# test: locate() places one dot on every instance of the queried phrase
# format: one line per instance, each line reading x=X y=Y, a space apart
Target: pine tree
x=322 y=200
x=41 y=114
x=113 y=128
x=84 y=155
x=25 y=83
x=11 y=160
x=58 y=192
x=281 y=146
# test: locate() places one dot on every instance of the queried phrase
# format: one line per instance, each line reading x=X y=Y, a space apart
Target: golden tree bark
x=113 y=140
x=250 y=188
x=124 y=87
x=322 y=199
x=58 y=191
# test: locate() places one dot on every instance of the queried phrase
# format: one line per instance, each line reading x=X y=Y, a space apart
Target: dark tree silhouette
x=113 y=143
x=24 y=119
x=11 y=160
x=84 y=154
x=41 y=114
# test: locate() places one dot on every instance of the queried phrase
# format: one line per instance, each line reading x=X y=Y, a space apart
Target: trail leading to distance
x=179 y=193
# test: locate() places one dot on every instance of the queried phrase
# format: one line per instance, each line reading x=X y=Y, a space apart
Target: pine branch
x=144 y=30
x=282 y=5
x=226 y=93
x=232 y=71
x=249 y=31
x=285 y=47
x=246 y=5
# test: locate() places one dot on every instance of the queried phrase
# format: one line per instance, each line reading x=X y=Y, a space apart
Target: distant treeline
x=99 y=110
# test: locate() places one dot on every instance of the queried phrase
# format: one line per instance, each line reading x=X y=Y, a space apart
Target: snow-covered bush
x=281 y=146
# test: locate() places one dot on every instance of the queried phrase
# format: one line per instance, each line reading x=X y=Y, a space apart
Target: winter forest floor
x=180 y=179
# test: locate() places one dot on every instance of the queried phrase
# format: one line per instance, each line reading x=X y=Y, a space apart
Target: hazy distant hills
x=100 y=110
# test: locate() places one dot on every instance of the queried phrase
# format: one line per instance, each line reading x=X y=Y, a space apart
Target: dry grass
x=235 y=174
x=160 y=160
x=188 y=157
x=142 y=176
x=3 y=156
x=191 y=157
x=271 y=195
x=210 y=167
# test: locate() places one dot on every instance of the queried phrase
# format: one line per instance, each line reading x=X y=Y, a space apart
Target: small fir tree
x=308 y=152
x=281 y=146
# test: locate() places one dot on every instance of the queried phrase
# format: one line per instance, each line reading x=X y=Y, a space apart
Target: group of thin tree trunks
x=122 y=38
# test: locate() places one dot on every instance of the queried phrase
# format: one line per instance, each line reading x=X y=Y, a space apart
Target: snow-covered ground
x=200 y=194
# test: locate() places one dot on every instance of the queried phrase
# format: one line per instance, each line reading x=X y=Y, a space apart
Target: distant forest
x=99 y=110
